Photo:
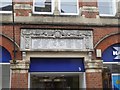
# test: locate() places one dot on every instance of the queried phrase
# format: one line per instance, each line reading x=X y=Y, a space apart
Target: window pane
x=119 y=7
x=68 y=6
x=5 y=76
x=6 y=5
x=43 y=6
x=105 y=7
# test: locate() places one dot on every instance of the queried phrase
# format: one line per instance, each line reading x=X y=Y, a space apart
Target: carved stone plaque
x=56 y=40
x=57 y=44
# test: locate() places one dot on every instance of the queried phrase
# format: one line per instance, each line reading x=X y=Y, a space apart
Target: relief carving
x=38 y=39
x=27 y=40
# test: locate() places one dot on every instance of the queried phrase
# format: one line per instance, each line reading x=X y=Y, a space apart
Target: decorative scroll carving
x=63 y=40
x=27 y=43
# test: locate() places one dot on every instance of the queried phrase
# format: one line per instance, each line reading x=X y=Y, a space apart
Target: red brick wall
x=108 y=42
x=19 y=80
x=6 y=43
x=90 y=3
x=90 y=14
x=94 y=80
x=87 y=13
x=100 y=32
x=25 y=12
x=22 y=12
x=7 y=30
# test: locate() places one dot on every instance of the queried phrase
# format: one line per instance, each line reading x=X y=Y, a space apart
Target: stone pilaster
x=94 y=74
x=90 y=9
x=19 y=74
x=23 y=8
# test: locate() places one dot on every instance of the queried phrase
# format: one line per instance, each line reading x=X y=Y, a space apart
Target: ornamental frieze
x=56 y=40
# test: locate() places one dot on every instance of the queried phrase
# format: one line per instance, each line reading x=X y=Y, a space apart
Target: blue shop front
x=57 y=73
x=111 y=60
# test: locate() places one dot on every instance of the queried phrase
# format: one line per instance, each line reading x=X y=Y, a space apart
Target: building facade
x=60 y=44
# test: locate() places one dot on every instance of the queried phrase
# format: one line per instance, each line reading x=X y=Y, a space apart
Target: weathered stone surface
x=56 y=40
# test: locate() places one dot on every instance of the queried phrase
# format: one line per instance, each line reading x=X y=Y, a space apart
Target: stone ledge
x=94 y=64
x=90 y=9
x=19 y=65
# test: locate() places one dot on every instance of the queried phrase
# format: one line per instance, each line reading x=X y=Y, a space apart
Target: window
x=107 y=7
x=68 y=7
x=4 y=68
x=5 y=6
x=43 y=6
x=4 y=76
x=118 y=7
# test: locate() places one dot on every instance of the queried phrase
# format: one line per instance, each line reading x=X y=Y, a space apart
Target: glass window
x=6 y=6
x=4 y=68
x=43 y=6
x=107 y=7
x=55 y=82
x=68 y=7
x=118 y=7
x=5 y=76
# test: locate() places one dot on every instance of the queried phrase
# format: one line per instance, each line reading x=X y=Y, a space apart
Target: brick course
x=94 y=80
x=19 y=80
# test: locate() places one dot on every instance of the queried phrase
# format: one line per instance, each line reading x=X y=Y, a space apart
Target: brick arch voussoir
x=8 y=44
x=108 y=41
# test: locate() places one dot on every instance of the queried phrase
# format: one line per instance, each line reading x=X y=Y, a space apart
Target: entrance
x=57 y=73
x=57 y=81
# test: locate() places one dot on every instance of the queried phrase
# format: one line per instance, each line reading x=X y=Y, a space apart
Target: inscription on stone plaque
x=57 y=44
x=62 y=40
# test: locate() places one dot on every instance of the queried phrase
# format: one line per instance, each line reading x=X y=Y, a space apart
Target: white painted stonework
x=56 y=40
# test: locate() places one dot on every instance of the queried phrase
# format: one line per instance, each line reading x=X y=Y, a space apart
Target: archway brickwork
x=108 y=42
x=6 y=43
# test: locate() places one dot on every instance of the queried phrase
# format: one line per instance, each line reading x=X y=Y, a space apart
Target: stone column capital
x=20 y=65
x=94 y=66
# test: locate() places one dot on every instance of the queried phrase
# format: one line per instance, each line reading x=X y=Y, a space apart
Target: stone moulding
x=94 y=64
x=56 y=40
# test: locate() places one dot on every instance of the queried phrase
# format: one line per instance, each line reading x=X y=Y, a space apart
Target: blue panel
x=116 y=82
x=5 y=56
x=56 y=65
x=110 y=54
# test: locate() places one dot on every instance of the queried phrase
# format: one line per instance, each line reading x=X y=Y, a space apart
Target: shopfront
x=57 y=57
x=57 y=73
x=111 y=60
x=5 y=57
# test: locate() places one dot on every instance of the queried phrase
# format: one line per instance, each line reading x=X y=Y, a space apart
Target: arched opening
x=5 y=58
x=111 y=60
